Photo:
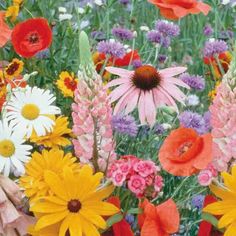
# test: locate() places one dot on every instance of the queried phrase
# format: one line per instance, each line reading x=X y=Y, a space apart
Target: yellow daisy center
x=30 y=112
x=7 y=148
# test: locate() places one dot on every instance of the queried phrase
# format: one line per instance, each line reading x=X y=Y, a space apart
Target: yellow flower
x=77 y=204
x=54 y=138
x=52 y=230
x=14 y=69
x=55 y=160
x=67 y=84
x=13 y=11
x=227 y=206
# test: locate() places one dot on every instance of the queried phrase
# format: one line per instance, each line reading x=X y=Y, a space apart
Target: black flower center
x=74 y=205
x=146 y=77
x=12 y=68
x=34 y=38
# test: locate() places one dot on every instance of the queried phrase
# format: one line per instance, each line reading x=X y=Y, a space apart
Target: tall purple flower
x=124 y=124
x=214 y=47
x=122 y=33
x=167 y=28
x=192 y=120
x=193 y=81
x=208 y=31
x=112 y=48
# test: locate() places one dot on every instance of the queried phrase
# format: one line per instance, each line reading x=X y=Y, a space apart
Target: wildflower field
x=117 y=118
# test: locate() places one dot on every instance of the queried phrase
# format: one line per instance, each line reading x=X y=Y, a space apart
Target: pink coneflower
x=147 y=88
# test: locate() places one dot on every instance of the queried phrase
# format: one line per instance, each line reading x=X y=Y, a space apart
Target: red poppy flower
x=5 y=30
x=161 y=220
x=175 y=9
x=31 y=36
x=121 y=228
x=206 y=228
x=184 y=152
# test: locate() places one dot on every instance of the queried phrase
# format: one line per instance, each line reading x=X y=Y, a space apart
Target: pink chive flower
x=12 y=218
x=147 y=89
x=137 y=184
x=92 y=115
x=223 y=120
x=205 y=177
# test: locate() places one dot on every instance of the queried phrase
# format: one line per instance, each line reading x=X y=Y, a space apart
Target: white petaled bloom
x=30 y=108
x=13 y=152
x=81 y=10
x=62 y=9
x=98 y=2
x=66 y=16
x=144 y=28
x=192 y=100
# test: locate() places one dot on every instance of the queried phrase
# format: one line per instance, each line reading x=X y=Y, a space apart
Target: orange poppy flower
x=121 y=228
x=224 y=61
x=176 y=9
x=184 y=152
x=31 y=36
x=5 y=30
x=161 y=220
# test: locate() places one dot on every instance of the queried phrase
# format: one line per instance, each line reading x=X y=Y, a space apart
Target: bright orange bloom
x=176 y=9
x=185 y=153
x=161 y=220
x=5 y=30
x=224 y=61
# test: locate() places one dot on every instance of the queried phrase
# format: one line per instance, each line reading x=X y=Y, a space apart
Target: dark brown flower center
x=12 y=68
x=34 y=38
x=74 y=205
x=146 y=77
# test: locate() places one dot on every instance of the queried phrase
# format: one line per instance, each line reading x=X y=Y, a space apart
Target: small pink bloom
x=145 y=168
x=158 y=183
x=149 y=179
x=205 y=177
x=137 y=184
x=124 y=167
x=118 y=178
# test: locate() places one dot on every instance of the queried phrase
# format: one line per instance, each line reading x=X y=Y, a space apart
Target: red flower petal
x=5 y=30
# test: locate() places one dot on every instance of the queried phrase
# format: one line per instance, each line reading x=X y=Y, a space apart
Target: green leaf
x=134 y=211
x=210 y=218
x=114 y=219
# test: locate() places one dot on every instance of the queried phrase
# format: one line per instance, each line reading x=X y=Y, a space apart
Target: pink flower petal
x=177 y=82
x=170 y=99
x=120 y=72
x=173 y=71
x=141 y=108
x=115 y=82
x=150 y=109
x=123 y=101
x=160 y=98
x=133 y=101
x=119 y=91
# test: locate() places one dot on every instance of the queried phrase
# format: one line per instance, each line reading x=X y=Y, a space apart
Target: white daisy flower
x=30 y=108
x=13 y=153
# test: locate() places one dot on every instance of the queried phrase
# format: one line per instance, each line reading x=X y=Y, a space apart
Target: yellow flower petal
x=51 y=219
x=220 y=208
x=101 y=208
x=75 y=226
x=65 y=226
x=88 y=228
x=231 y=230
x=47 y=207
x=227 y=219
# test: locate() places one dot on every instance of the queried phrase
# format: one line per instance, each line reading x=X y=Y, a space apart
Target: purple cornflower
x=43 y=54
x=193 y=81
x=197 y=201
x=124 y=124
x=97 y=35
x=227 y=34
x=189 y=119
x=137 y=63
x=124 y=2
x=112 y=48
x=208 y=31
x=122 y=33
x=214 y=47
x=167 y=28
x=155 y=36
x=162 y=58
x=158 y=129
x=207 y=119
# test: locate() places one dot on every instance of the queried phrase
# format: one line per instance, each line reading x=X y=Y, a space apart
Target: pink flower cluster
x=223 y=121
x=140 y=176
x=92 y=124
x=13 y=221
